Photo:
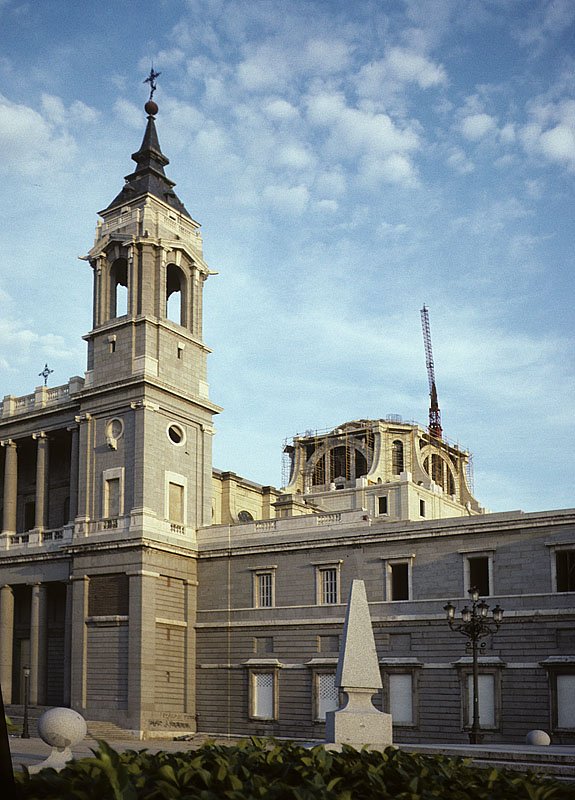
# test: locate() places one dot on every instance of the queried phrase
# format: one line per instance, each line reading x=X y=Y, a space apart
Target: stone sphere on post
x=62 y=727
x=538 y=738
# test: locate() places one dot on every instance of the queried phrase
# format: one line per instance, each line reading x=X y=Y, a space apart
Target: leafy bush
x=259 y=770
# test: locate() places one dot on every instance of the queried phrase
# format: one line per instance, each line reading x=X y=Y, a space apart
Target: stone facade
x=143 y=587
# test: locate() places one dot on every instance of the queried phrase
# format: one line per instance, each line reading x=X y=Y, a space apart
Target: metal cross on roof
x=151 y=79
x=46 y=372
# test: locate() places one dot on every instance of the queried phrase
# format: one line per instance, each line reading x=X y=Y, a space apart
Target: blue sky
x=348 y=162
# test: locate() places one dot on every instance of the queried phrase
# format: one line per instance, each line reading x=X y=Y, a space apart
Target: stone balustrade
x=41 y=397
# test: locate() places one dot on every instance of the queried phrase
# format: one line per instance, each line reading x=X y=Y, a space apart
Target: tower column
x=41 y=479
x=38 y=618
x=6 y=640
x=79 y=642
x=190 y=652
x=84 y=467
x=68 y=645
x=73 y=474
x=141 y=648
x=10 y=486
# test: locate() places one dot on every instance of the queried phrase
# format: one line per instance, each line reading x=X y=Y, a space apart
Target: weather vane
x=46 y=372
x=151 y=79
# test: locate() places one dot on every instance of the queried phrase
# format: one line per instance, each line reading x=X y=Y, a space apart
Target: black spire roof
x=149 y=176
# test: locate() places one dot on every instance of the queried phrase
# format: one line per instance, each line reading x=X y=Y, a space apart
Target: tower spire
x=149 y=176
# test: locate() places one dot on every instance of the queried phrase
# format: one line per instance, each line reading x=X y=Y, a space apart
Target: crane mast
x=434 y=412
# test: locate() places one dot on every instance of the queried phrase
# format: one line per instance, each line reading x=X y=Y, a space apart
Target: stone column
x=10 y=486
x=38 y=619
x=67 y=695
x=142 y=649
x=6 y=641
x=84 y=467
x=190 y=655
x=79 y=642
x=73 y=475
x=41 y=480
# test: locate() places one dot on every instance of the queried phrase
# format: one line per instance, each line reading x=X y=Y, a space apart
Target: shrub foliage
x=260 y=770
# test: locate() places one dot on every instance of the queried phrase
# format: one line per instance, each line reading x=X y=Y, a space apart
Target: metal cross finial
x=46 y=372
x=151 y=79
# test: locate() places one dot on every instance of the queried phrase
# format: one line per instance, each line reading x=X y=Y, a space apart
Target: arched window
x=360 y=464
x=397 y=457
x=119 y=288
x=175 y=295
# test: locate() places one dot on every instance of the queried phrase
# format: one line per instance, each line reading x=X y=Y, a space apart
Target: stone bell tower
x=146 y=394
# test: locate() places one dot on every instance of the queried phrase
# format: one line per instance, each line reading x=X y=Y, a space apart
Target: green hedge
x=257 y=769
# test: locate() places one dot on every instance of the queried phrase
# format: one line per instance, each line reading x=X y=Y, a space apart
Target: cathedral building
x=143 y=587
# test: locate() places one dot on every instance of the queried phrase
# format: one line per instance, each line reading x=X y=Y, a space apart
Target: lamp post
x=475 y=625
x=25 y=731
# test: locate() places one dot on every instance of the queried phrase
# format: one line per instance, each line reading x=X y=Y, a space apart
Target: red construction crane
x=434 y=412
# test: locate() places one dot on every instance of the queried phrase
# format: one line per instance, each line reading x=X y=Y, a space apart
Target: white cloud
x=327 y=205
x=459 y=161
x=287 y=199
x=408 y=66
x=28 y=140
x=395 y=168
x=354 y=131
x=280 y=110
x=475 y=126
x=295 y=156
x=551 y=131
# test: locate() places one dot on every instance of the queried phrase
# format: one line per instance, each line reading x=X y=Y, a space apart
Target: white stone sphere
x=62 y=727
x=538 y=738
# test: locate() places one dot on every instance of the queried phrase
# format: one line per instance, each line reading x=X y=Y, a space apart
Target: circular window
x=114 y=428
x=176 y=434
x=245 y=516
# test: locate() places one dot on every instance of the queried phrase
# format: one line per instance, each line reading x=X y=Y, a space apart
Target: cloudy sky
x=348 y=163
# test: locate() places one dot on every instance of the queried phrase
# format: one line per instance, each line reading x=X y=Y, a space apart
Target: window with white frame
x=562 y=684
x=487 y=703
x=400 y=680
x=327 y=579
x=398 y=578
x=400 y=693
x=382 y=505
x=326 y=694
x=478 y=572
x=263 y=587
x=263 y=700
x=565 y=702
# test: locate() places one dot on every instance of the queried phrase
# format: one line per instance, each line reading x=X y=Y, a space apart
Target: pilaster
x=6 y=640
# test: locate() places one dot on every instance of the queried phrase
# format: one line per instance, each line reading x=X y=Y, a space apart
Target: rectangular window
x=399 y=581
x=565 y=566
x=382 y=505
x=176 y=503
x=264 y=586
x=565 y=701
x=486 y=701
x=264 y=590
x=401 y=698
x=263 y=695
x=327 y=694
x=328 y=579
x=479 y=574
x=112 y=499
x=422 y=508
